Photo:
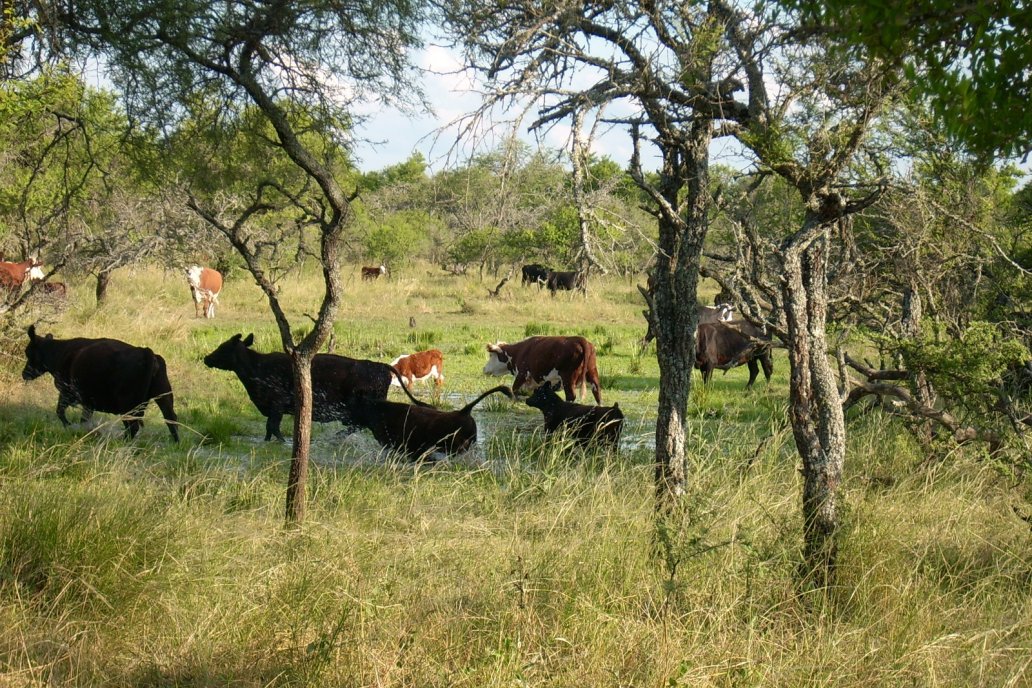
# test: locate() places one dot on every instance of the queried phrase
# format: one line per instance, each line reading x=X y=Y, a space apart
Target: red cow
x=369 y=273
x=421 y=365
x=570 y=360
x=12 y=275
x=205 y=285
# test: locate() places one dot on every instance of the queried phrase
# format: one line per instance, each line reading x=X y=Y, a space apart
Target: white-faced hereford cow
x=205 y=285
x=269 y=381
x=422 y=365
x=569 y=360
x=372 y=273
x=13 y=275
x=102 y=375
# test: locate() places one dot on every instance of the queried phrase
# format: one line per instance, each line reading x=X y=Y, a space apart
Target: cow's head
x=35 y=365
x=544 y=397
x=193 y=276
x=498 y=361
x=226 y=356
x=35 y=271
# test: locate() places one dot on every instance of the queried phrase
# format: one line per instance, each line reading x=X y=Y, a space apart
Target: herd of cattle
x=115 y=377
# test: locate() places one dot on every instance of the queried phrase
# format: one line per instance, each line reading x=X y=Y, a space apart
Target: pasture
x=522 y=562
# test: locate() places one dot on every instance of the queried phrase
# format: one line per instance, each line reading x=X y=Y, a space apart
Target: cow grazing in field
x=705 y=314
x=535 y=274
x=422 y=365
x=418 y=429
x=569 y=360
x=13 y=275
x=102 y=375
x=567 y=281
x=726 y=345
x=372 y=273
x=205 y=285
x=269 y=381
x=587 y=425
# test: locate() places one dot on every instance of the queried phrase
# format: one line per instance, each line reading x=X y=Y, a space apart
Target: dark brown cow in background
x=535 y=273
x=56 y=289
x=102 y=375
x=566 y=360
x=205 y=286
x=725 y=345
x=372 y=273
x=567 y=281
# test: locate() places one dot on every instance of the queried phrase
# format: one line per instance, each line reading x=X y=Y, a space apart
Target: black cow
x=102 y=375
x=418 y=429
x=535 y=273
x=726 y=345
x=586 y=424
x=269 y=381
x=567 y=281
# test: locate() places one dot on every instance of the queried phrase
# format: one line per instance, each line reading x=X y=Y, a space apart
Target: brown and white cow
x=205 y=285
x=13 y=275
x=569 y=360
x=371 y=273
x=422 y=365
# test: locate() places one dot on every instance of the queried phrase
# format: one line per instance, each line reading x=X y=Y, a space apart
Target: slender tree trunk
x=674 y=313
x=103 y=279
x=298 y=478
x=815 y=408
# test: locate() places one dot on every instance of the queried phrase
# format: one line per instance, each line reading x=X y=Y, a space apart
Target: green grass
x=526 y=562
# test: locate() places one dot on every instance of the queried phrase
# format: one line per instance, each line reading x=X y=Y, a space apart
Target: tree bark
x=673 y=312
x=298 y=478
x=814 y=406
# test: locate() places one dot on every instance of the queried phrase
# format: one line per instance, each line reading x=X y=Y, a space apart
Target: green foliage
x=399 y=238
x=969 y=61
x=971 y=364
x=423 y=339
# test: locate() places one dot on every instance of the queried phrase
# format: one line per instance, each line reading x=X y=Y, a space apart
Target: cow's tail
x=494 y=390
x=401 y=381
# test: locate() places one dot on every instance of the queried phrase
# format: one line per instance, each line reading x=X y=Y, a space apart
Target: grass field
x=522 y=563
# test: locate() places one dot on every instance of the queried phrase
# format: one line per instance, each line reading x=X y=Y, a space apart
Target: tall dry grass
x=524 y=563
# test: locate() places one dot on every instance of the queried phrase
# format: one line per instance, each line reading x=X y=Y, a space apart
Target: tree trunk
x=103 y=279
x=814 y=407
x=674 y=314
x=298 y=478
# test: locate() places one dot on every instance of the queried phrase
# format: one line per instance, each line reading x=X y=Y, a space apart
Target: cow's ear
x=32 y=331
x=249 y=340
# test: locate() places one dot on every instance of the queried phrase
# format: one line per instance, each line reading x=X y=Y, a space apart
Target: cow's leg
x=707 y=373
x=133 y=421
x=272 y=427
x=517 y=384
x=754 y=370
x=166 y=403
x=63 y=402
x=570 y=387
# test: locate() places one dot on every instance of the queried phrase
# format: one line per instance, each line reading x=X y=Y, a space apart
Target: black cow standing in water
x=587 y=425
x=102 y=375
x=269 y=381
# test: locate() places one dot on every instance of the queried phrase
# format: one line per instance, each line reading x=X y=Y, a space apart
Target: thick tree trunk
x=674 y=313
x=103 y=279
x=814 y=408
x=298 y=478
